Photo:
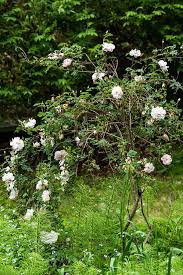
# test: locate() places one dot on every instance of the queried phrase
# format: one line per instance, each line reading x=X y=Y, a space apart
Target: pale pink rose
x=166 y=159
x=149 y=168
x=67 y=62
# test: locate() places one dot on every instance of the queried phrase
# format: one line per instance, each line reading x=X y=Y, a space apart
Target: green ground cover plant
x=89 y=227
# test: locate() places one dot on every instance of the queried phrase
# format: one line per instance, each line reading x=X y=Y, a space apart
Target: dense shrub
x=123 y=125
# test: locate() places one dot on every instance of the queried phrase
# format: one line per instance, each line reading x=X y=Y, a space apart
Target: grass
x=89 y=226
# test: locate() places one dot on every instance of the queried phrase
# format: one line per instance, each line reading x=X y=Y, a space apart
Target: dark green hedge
x=37 y=27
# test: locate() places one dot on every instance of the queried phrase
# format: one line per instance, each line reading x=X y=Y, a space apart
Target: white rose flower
x=97 y=76
x=36 y=144
x=166 y=159
x=41 y=184
x=29 y=214
x=135 y=53
x=77 y=140
x=46 y=195
x=163 y=65
x=64 y=176
x=108 y=47
x=43 y=141
x=17 y=144
x=117 y=92
x=30 y=123
x=8 y=177
x=49 y=237
x=139 y=78
x=67 y=62
x=149 y=168
x=158 y=113
x=60 y=155
x=10 y=186
x=13 y=194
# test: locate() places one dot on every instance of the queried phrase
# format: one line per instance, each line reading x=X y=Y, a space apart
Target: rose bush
x=124 y=125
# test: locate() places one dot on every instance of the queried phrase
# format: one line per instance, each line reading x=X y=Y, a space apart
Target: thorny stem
x=131 y=216
x=143 y=213
x=130 y=123
x=133 y=210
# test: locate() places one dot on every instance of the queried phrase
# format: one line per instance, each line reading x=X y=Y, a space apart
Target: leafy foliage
x=36 y=28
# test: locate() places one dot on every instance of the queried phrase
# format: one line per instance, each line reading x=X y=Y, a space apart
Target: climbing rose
x=148 y=168
x=49 y=237
x=108 y=47
x=158 y=113
x=166 y=159
x=117 y=92
x=135 y=53
x=17 y=144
